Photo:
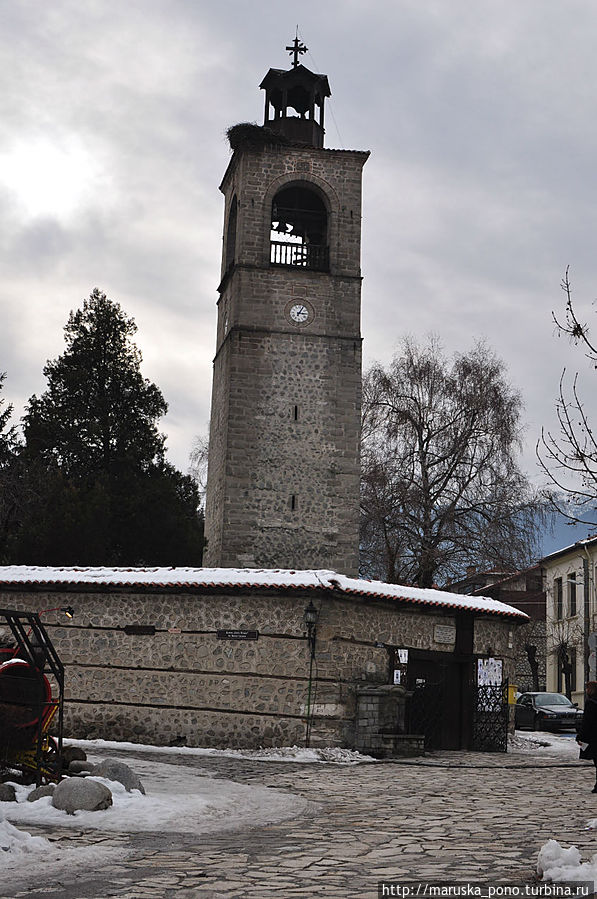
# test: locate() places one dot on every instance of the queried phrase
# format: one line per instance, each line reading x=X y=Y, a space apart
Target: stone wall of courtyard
x=151 y=666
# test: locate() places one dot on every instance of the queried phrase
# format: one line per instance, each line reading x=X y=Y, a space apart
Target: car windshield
x=551 y=699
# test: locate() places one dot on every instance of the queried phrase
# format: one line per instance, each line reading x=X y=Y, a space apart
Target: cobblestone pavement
x=454 y=817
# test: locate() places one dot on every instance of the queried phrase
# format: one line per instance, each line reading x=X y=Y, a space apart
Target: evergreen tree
x=101 y=491
x=98 y=413
x=9 y=473
x=8 y=434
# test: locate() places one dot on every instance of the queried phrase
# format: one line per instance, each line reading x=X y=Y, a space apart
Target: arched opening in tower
x=299 y=227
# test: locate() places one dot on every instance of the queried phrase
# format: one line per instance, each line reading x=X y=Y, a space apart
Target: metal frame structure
x=34 y=647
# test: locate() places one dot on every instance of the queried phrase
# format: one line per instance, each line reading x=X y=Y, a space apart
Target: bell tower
x=283 y=479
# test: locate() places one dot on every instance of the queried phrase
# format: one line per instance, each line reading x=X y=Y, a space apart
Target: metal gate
x=425 y=711
x=490 y=718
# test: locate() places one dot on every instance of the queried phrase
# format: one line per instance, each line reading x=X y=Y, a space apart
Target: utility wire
x=330 y=106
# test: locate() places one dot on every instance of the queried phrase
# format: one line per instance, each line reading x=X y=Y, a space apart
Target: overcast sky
x=480 y=189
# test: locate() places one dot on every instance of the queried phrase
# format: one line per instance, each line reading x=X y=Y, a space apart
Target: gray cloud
x=479 y=191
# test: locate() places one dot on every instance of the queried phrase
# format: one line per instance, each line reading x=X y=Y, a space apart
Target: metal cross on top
x=296 y=50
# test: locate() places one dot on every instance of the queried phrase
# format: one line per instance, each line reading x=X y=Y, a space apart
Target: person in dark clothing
x=588 y=728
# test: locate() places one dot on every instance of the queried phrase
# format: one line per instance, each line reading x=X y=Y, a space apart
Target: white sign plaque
x=444 y=633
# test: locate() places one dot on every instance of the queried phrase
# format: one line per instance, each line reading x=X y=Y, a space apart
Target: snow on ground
x=544 y=743
x=178 y=799
x=17 y=841
x=554 y=863
x=332 y=755
x=187 y=799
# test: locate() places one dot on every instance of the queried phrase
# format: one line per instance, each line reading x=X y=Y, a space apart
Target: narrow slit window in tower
x=231 y=234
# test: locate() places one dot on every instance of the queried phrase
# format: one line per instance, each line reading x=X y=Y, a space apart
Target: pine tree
x=8 y=435
x=102 y=492
x=9 y=473
x=98 y=413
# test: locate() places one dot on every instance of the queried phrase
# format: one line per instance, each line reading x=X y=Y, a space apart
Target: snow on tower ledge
x=248 y=578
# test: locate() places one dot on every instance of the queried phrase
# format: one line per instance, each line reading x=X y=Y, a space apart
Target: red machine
x=31 y=699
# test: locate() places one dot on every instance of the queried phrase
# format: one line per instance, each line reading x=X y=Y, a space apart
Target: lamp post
x=310 y=616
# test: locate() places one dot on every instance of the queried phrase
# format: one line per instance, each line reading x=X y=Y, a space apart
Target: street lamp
x=310 y=616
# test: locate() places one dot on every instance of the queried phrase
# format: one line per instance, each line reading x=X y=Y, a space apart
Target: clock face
x=299 y=313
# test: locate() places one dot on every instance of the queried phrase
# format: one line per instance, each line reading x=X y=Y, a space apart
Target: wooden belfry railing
x=310 y=256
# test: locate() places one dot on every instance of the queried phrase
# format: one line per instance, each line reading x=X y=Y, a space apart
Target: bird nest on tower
x=248 y=134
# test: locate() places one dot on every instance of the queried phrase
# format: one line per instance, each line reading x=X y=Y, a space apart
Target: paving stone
x=449 y=818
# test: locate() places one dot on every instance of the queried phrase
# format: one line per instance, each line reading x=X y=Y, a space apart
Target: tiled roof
x=247 y=578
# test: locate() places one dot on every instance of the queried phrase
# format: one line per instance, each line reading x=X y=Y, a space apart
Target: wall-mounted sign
x=444 y=633
x=237 y=635
x=489 y=672
x=140 y=629
x=400 y=668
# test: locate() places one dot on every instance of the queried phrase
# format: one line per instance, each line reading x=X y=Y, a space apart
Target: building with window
x=525 y=591
x=571 y=617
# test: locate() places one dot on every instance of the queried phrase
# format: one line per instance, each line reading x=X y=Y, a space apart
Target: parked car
x=546 y=711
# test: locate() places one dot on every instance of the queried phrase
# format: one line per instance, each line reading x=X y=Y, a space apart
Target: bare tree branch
x=441 y=486
x=569 y=457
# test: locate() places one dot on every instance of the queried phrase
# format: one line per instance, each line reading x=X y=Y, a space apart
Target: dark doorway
x=440 y=705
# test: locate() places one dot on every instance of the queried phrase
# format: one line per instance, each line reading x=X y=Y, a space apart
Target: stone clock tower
x=283 y=481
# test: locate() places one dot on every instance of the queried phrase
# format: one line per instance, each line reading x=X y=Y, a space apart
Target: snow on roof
x=587 y=541
x=256 y=578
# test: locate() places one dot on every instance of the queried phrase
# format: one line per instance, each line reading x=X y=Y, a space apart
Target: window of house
x=573 y=669
x=558 y=597
x=572 y=593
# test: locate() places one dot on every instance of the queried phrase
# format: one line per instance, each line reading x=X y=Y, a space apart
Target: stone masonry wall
x=292 y=414
x=184 y=685
x=283 y=481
